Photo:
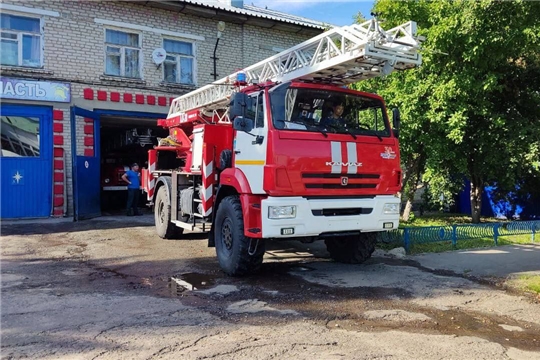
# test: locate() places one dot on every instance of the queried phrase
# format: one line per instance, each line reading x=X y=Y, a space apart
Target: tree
x=472 y=107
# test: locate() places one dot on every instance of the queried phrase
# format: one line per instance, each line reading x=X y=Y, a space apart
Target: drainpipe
x=215 y=58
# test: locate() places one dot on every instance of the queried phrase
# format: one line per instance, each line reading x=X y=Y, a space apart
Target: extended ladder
x=340 y=56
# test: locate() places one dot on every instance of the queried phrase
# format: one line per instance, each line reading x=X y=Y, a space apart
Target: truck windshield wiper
x=350 y=133
x=322 y=132
x=374 y=132
x=377 y=135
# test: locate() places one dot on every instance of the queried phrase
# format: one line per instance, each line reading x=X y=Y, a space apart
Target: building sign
x=21 y=89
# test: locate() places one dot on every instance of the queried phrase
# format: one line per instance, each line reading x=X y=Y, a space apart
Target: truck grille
x=342 y=212
x=335 y=181
x=339 y=176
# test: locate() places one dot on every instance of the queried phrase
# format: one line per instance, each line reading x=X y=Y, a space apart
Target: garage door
x=26 y=161
x=86 y=167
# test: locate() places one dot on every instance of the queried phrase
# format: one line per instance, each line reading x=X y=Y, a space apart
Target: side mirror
x=396 y=119
x=239 y=103
x=243 y=124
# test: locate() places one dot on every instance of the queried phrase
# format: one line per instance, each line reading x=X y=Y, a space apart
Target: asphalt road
x=110 y=289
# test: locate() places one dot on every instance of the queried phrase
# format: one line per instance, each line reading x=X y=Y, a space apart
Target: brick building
x=87 y=71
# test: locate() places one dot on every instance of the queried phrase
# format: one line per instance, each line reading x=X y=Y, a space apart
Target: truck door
x=250 y=149
x=86 y=165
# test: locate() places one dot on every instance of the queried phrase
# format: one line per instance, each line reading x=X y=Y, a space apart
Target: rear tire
x=162 y=216
x=354 y=249
x=232 y=247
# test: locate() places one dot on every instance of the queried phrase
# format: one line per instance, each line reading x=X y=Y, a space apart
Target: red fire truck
x=284 y=150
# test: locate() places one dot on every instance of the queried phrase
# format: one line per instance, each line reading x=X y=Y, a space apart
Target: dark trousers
x=133 y=201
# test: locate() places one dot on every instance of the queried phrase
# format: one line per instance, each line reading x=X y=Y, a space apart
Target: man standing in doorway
x=132 y=177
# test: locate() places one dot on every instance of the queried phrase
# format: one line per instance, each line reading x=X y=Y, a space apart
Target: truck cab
x=320 y=172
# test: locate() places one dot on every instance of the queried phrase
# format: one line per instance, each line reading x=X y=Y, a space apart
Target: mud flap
x=211 y=236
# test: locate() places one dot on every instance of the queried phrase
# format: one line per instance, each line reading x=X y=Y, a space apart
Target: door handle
x=237 y=151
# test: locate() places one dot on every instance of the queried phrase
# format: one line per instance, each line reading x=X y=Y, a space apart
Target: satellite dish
x=158 y=56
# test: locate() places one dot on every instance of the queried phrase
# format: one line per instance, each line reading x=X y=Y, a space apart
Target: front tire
x=354 y=249
x=232 y=247
x=162 y=216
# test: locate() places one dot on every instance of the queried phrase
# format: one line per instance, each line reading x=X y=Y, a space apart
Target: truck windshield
x=316 y=110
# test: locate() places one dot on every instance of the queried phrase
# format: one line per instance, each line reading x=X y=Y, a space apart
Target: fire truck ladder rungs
x=340 y=56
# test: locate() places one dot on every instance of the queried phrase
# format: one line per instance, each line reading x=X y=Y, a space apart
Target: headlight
x=106 y=181
x=391 y=209
x=281 y=212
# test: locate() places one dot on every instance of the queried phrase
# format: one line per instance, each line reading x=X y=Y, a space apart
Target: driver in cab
x=334 y=119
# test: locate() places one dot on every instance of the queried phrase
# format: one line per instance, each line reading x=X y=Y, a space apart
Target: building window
x=122 y=52
x=179 y=66
x=21 y=41
x=20 y=136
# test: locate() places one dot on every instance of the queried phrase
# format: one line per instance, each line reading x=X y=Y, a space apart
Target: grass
x=442 y=219
x=527 y=282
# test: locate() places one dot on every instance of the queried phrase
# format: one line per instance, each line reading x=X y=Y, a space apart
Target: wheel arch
x=235 y=178
x=162 y=181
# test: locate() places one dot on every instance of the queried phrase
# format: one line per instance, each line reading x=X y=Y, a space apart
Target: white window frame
x=178 y=56
x=20 y=35
x=122 y=53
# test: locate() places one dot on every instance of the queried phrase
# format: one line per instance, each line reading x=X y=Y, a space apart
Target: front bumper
x=310 y=221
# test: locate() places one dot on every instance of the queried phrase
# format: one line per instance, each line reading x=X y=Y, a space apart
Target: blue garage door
x=26 y=161
x=86 y=167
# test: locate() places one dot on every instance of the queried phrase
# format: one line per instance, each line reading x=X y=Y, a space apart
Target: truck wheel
x=353 y=249
x=162 y=216
x=232 y=247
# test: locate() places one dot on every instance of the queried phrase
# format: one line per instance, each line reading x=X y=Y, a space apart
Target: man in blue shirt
x=132 y=177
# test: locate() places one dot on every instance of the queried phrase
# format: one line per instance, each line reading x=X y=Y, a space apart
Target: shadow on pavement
x=501 y=261
x=51 y=226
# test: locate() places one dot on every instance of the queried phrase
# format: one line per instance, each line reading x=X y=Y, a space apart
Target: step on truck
x=283 y=149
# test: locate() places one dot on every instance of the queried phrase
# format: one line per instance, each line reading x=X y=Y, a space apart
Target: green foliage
x=440 y=219
x=472 y=107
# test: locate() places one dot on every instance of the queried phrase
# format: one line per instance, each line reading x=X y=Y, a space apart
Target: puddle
x=221 y=290
x=189 y=282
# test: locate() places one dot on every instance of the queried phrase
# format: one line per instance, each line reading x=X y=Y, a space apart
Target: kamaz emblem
x=344 y=181
x=339 y=163
x=388 y=153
